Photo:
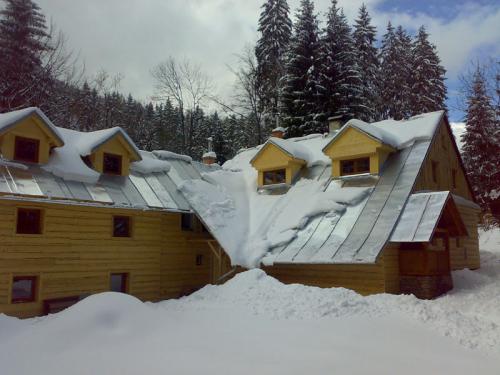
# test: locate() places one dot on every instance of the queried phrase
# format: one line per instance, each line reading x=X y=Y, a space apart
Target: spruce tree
x=480 y=150
x=23 y=41
x=275 y=29
x=395 y=74
x=340 y=87
x=364 y=43
x=428 y=91
x=299 y=98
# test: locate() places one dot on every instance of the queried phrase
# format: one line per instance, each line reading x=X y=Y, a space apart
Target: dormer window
x=26 y=149
x=355 y=166
x=277 y=176
x=112 y=164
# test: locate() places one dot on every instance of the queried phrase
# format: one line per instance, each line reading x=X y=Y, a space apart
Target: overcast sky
x=131 y=36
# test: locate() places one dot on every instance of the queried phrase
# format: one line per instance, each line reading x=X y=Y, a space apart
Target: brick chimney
x=278 y=132
x=209 y=157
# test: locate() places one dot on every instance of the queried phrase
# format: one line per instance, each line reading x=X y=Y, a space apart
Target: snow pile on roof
x=294 y=149
x=209 y=154
x=149 y=164
x=88 y=142
x=66 y=161
x=166 y=155
x=254 y=317
x=248 y=225
x=399 y=134
x=12 y=164
x=10 y=118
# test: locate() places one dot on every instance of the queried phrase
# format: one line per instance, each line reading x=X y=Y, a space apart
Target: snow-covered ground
x=256 y=325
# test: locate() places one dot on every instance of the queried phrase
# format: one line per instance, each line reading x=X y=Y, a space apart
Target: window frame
x=40 y=221
x=36 y=158
x=34 y=289
x=106 y=155
x=129 y=226
x=356 y=166
x=125 y=281
x=274 y=179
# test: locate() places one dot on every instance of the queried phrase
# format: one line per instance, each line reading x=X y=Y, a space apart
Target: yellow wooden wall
x=272 y=158
x=365 y=279
x=442 y=150
x=114 y=146
x=353 y=144
x=32 y=128
x=77 y=252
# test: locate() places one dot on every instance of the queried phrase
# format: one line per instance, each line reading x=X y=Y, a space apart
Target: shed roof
x=421 y=215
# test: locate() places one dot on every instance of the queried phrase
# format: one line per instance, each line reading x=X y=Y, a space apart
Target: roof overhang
x=423 y=213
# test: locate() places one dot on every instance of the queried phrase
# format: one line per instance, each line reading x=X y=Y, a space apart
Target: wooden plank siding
x=443 y=150
x=365 y=279
x=76 y=253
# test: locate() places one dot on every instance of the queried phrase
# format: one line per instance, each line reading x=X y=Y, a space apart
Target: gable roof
x=292 y=149
x=10 y=119
x=88 y=142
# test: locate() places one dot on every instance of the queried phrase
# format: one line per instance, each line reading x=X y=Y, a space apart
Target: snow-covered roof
x=153 y=182
x=209 y=154
x=319 y=220
x=297 y=148
x=397 y=134
x=9 y=119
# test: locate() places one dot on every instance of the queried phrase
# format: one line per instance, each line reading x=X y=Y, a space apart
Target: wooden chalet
x=84 y=213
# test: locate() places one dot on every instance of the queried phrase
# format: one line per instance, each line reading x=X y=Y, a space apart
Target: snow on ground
x=254 y=324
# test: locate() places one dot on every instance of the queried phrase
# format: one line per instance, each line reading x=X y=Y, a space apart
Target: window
x=112 y=164
x=121 y=226
x=187 y=222
x=454 y=178
x=457 y=242
x=23 y=289
x=277 y=176
x=118 y=282
x=354 y=166
x=26 y=149
x=199 y=259
x=435 y=166
x=29 y=221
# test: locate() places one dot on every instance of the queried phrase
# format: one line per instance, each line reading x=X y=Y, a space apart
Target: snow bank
x=149 y=164
x=262 y=326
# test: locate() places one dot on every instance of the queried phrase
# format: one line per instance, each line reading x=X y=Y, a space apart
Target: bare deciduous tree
x=185 y=84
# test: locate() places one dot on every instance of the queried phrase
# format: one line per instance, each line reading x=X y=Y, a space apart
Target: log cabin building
x=84 y=213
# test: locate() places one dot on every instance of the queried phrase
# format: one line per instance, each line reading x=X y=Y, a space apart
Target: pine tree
x=300 y=86
x=428 y=91
x=364 y=43
x=340 y=89
x=23 y=41
x=394 y=74
x=480 y=150
x=275 y=29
